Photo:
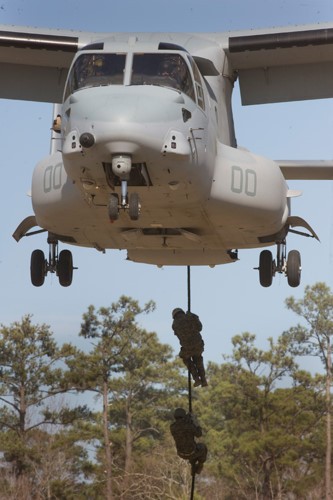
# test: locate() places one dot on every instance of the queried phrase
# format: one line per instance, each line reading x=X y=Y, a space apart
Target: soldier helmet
x=179 y=413
x=176 y=311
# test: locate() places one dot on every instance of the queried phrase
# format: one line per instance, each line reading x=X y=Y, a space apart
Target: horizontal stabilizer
x=320 y=170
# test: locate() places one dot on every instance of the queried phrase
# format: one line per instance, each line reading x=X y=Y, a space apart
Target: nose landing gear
x=121 y=166
x=132 y=206
x=61 y=264
x=289 y=266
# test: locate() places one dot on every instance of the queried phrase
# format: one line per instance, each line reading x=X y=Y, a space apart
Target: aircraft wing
x=282 y=64
x=34 y=62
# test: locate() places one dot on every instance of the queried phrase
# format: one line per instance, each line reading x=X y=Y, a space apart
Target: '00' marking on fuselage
x=52 y=177
x=243 y=181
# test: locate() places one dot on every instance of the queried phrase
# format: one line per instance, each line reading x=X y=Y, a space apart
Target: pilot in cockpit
x=168 y=70
x=175 y=72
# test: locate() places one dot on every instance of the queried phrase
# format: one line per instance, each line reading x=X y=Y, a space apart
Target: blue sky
x=228 y=299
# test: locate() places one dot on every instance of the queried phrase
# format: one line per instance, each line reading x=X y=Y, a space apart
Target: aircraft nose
x=127 y=105
x=108 y=121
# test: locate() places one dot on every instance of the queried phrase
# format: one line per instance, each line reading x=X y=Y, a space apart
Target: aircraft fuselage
x=200 y=196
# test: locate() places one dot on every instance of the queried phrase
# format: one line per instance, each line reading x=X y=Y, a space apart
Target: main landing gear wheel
x=61 y=264
x=294 y=268
x=266 y=268
x=289 y=266
x=65 y=268
x=134 y=206
x=113 y=207
x=37 y=268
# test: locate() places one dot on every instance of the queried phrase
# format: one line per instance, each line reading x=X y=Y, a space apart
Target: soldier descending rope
x=184 y=429
x=187 y=328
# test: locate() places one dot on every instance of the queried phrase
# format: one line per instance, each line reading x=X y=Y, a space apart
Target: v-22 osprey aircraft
x=143 y=149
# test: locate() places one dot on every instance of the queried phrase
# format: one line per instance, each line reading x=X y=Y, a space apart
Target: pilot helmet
x=179 y=413
x=167 y=65
x=98 y=61
x=176 y=311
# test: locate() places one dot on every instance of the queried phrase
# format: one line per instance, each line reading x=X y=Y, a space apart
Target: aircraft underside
x=174 y=226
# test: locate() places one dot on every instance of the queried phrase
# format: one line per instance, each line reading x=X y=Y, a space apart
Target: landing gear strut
x=289 y=266
x=61 y=264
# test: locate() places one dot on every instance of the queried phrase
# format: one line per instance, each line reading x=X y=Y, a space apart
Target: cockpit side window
x=94 y=70
x=198 y=83
x=166 y=70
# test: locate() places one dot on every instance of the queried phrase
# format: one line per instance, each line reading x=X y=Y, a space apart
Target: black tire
x=113 y=209
x=37 y=268
x=65 y=268
x=266 y=268
x=134 y=206
x=294 y=268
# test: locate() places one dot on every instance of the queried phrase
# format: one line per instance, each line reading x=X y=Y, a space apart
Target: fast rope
x=189 y=374
x=189 y=310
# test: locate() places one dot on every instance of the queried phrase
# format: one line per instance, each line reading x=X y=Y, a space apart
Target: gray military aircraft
x=143 y=152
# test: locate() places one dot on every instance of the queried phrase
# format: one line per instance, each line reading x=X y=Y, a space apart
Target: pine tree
x=263 y=437
x=31 y=376
x=315 y=339
x=126 y=367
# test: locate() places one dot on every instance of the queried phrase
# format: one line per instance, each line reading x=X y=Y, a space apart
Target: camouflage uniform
x=184 y=430
x=187 y=328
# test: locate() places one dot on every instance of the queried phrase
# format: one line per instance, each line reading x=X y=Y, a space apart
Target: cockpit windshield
x=167 y=70
x=94 y=70
x=163 y=69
